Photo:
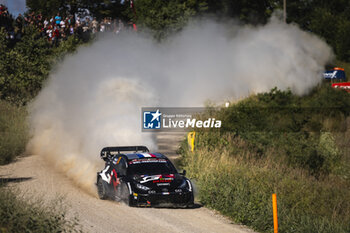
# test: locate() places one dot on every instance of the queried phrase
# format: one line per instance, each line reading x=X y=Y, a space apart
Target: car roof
x=145 y=155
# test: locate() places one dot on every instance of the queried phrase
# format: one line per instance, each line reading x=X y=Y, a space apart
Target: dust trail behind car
x=94 y=98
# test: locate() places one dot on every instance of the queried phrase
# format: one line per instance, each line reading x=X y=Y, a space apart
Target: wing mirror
x=183 y=172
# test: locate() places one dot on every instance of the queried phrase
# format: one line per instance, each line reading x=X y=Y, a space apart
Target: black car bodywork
x=142 y=178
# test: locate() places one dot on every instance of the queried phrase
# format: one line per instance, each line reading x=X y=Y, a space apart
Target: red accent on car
x=116 y=181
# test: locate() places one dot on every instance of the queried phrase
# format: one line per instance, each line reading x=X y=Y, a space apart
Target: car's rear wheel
x=102 y=189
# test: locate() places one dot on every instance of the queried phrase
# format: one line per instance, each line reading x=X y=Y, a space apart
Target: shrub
x=17 y=215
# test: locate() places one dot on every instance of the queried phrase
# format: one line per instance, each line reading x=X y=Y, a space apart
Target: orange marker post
x=274 y=209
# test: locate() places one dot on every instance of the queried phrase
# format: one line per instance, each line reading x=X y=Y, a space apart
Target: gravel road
x=107 y=216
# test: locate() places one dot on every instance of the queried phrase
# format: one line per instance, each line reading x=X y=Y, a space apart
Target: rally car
x=141 y=178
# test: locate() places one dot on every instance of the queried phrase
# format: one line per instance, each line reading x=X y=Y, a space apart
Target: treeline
x=328 y=19
x=26 y=64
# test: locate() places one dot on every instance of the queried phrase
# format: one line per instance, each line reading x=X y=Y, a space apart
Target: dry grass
x=19 y=215
x=239 y=185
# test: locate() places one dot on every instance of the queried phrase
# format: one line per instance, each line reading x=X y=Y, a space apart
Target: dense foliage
x=277 y=142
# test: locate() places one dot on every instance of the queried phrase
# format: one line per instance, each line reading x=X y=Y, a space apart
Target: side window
x=121 y=167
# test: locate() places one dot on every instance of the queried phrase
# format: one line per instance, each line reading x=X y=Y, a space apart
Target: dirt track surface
x=41 y=180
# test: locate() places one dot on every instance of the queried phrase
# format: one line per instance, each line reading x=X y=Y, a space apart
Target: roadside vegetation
x=276 y=142
x=13 y=131
x=24 y=67
x=19 y=215
x=16 y=213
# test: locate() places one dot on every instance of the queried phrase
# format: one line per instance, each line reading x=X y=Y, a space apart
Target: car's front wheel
x=190 y=204
x=123 y=194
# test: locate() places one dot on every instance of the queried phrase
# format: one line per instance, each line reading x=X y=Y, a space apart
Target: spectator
x=71 y=20
x=62 y=24
x=49 y=33
x=102 y=27
x=55 y=36
x=58 y=19
x=85 y=27
x=39 y=18
x=77 y=22
x=71 y=30
x=46 y=22
x=120 y=25
x=94 y=26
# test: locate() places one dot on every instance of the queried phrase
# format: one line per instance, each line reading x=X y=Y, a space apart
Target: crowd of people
x=58 y=28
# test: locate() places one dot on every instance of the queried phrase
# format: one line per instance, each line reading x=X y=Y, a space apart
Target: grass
x=13 y=131
x=19 y=215
x=240 y=186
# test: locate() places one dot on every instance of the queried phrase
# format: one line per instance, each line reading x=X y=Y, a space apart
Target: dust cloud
x=94 y=97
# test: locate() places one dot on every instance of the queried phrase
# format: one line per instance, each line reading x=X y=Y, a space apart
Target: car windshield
x=151 y=168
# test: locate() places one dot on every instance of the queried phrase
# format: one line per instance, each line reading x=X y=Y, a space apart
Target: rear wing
x=117 y=149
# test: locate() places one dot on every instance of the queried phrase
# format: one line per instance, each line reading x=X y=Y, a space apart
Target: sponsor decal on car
x=138 y=161
x=157 y=178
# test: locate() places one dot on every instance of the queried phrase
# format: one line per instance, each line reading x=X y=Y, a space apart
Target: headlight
x=183 y=184
x=142 y=187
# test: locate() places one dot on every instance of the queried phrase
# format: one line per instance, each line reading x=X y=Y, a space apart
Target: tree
x=165 y=17
x=48 y=8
